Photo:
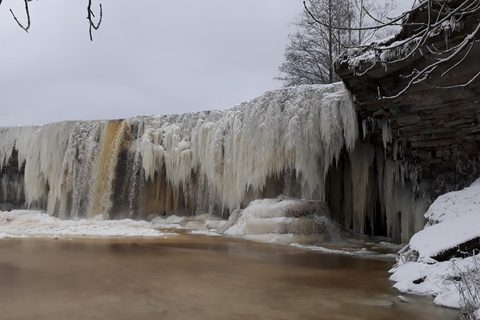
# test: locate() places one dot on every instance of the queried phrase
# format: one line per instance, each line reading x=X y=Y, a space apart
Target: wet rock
x=419 y=280
x=462 y=250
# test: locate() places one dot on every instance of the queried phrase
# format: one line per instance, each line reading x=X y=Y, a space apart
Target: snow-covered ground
x=453 y=219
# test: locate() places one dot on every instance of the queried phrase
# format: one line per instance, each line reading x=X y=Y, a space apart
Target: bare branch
x=28 y=17
x=460 y=61
x=90 y=16
x=393 y=22
x=421 y=75
x=463 y=85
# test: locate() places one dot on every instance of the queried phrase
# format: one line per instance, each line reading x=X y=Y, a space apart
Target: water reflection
x=194 y=277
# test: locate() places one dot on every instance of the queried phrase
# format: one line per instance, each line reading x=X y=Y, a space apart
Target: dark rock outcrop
x=432 y=128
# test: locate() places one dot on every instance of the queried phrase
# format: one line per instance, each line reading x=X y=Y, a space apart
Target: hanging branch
x=419 y=76
x=28 y=16
x=91 y=16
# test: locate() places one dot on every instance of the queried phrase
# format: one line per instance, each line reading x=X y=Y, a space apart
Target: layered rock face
x=434 y=120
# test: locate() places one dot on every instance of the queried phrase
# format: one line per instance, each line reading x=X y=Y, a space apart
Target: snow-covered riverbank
x=430 y=264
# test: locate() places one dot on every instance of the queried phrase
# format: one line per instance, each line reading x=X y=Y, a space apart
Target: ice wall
x=284 y=142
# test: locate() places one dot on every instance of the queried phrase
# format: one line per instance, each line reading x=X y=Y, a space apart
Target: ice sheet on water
x=34 y=223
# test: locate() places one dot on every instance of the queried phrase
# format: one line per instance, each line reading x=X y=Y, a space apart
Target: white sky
x=152 y=57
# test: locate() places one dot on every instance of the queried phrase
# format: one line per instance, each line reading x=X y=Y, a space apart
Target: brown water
x=194 y=277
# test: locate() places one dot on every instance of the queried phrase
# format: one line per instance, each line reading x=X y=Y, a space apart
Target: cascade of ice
x=301 y=129
x=284 y=142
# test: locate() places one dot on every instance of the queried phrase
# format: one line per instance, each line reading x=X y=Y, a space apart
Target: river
x=195 y=277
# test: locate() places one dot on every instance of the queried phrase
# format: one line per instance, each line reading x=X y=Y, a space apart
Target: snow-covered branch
x=445 y=38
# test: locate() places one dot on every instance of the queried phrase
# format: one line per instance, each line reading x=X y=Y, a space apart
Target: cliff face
x=432 y=127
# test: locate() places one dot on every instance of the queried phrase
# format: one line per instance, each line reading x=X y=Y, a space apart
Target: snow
x=454 y=204
x=30 y=223
x=445 y=235
x=453 y=219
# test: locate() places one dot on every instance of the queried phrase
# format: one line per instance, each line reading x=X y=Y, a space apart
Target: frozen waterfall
x=301 y=142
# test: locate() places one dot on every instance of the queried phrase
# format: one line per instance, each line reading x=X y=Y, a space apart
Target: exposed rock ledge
x=436 y=129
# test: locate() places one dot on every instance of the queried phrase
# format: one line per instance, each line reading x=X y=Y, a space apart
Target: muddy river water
x=195 y=277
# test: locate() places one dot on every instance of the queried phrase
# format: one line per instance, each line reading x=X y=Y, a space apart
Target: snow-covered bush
x=467 y=282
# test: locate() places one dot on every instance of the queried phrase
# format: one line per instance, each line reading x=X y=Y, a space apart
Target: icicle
x=364 y=128
x=238 y=149
x=386 y=133
x=361 y=165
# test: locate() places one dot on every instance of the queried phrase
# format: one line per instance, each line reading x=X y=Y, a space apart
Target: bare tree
x=90 y=17
x=313 y=49
x=444 y=32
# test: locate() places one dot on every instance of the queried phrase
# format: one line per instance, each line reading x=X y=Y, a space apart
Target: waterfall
x=286 y=142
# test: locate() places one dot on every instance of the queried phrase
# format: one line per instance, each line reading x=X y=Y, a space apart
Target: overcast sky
x=152 y=57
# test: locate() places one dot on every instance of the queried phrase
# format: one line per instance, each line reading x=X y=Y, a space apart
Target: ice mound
x=282 y=220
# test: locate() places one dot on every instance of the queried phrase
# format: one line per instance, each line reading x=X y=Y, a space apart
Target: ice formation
x=300 y=142
x=282 y=220
x=30 y=223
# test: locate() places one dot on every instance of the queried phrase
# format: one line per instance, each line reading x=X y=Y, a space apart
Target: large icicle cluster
x=71 y=167
x=299 y=130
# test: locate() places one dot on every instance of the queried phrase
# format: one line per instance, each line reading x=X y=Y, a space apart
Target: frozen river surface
x=194 y=277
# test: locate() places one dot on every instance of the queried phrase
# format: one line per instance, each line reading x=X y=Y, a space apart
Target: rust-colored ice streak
x=101 y=192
